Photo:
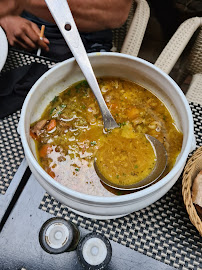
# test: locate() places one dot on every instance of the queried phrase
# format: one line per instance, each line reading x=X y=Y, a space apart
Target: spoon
x=63 y=17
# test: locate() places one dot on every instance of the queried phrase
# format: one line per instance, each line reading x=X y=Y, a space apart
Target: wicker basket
x=193 y=167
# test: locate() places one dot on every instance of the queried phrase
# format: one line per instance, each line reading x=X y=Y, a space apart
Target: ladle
x=160 y=165
x=65 y=22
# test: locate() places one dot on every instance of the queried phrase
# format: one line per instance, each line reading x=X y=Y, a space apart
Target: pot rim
x=101 y=199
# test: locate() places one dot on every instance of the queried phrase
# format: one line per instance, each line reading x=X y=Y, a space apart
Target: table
x=158 y=236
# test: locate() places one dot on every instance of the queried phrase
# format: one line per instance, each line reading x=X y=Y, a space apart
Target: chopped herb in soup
x=70 y=132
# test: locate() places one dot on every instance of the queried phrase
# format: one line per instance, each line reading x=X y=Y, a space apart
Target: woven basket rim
x=186 y=189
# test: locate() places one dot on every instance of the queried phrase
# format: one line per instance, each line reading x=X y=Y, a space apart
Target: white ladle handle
x=63 y=17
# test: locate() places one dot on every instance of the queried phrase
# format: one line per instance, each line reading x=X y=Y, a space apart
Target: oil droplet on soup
x=70 y=132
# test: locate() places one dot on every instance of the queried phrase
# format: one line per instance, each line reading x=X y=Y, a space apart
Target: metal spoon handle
x=63 y=17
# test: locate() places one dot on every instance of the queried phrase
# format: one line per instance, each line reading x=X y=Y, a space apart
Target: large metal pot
x=107 y=64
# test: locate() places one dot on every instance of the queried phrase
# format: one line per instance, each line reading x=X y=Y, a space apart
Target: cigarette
x=42 y=31
x=41 y=37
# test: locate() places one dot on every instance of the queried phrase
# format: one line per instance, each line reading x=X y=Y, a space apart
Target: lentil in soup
x=125 y=157
x=70 y=132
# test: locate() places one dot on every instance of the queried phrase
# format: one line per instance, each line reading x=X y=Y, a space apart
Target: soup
x=70 y=131
x=125 y=157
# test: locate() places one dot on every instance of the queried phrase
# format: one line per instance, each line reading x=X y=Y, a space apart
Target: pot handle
x=177 y=43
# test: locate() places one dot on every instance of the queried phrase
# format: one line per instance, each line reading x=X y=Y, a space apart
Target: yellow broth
x=125 y=157
x=70 y=131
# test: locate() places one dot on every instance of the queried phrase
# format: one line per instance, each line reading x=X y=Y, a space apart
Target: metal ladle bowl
x=159 y=168
x=65 y=22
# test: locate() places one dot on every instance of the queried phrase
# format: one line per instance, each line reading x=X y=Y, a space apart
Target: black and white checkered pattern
x=162 y=230
x=11 y=151
x=17 y=59
x=197 y=116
